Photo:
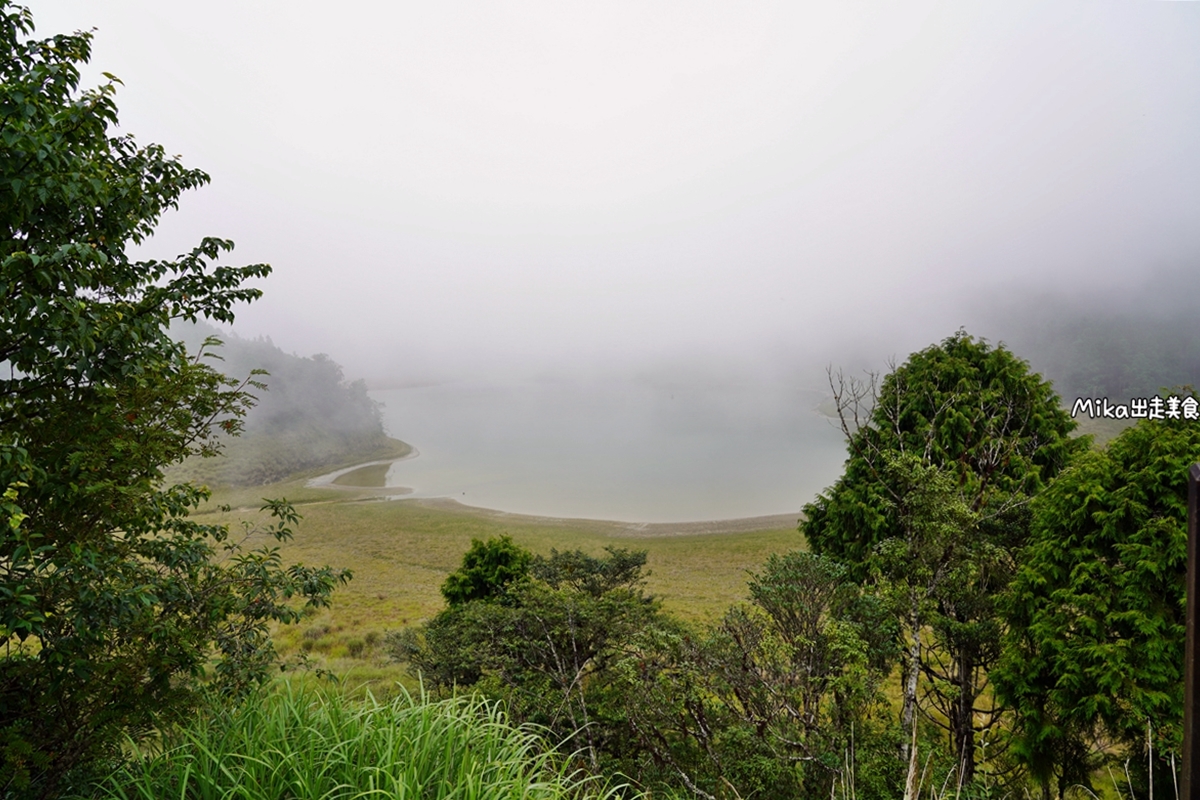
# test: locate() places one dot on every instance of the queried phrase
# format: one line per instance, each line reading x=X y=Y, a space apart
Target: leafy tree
x=112 y=601
x=680 y=731
x=780 y=698
x=544 y=644
x=1096 y=614
x=576 y=571
x=487 y=570
x=973 y=409
x=804 y=663
x=913 y=570
x=977 y=416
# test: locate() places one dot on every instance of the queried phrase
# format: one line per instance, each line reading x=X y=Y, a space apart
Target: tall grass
x=310 y=745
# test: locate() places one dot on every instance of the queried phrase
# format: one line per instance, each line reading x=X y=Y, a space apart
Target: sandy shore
x=771 y=522
x=326 y=481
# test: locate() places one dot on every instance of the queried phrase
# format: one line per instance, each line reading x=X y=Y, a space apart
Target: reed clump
x=312 y=744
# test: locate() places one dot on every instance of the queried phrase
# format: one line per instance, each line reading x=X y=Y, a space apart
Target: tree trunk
x=910 y=781
x=964 y=717
x=912 y=670
x=908 y=715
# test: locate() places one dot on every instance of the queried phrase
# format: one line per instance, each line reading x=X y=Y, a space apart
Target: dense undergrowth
x=311 y=744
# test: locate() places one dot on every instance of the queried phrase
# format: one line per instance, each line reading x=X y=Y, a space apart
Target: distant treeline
x=309 y=417
x=1102 y=345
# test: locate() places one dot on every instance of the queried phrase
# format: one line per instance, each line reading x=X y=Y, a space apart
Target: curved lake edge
x=622 y=450
x=617 y=528
x=330 y=480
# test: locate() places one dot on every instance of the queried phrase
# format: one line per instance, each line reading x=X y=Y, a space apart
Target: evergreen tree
x=995 y=432
x=1096 y=614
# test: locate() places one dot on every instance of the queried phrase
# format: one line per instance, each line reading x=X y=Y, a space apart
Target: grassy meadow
x=401 y=550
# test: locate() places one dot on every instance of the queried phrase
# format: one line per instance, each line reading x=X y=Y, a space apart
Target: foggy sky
x=456 y=187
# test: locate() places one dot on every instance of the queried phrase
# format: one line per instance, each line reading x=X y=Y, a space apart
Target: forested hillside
x=308 y=416
x=1110 y=344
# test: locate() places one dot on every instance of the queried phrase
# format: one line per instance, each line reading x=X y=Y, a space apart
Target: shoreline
x=633 y=530
x=619 y=528
x=326 y=480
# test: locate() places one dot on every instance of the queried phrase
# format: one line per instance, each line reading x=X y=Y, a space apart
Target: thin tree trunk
x=910 y=782
x=908 y=716
x=964 y=722
x=912 y=671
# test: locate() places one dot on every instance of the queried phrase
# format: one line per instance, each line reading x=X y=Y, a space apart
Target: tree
x=938 y=564
x=803 y=664
x=112 y=601
x=996 y=431
x=780 y=698
x=487 y=569
x=1096 y=615
x=545 y=644
x=973 y=409
x=311 y=417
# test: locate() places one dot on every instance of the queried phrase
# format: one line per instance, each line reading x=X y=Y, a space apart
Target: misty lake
x=630 y=451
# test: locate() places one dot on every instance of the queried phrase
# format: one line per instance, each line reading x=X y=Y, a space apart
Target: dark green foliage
x=803 y=667
x=487 y=570
x=780 y=699
x=945 y=454
x=578 y=572
x=112 y=602
x=942 y=576
x=963 y=405
x=1096 y=614
x=544 y=644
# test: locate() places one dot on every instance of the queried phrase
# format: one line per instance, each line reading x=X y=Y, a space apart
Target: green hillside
x=309 y=417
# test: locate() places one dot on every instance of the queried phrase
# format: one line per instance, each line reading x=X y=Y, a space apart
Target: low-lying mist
x=697 y=434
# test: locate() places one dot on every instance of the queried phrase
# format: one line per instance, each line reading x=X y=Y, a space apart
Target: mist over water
x=513 y=190
x=632 y=451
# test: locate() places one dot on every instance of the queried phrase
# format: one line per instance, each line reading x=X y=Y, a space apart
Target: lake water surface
x=628 y=451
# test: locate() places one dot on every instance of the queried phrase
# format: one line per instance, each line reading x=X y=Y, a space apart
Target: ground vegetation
x=764 y=702
x=317 y=744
